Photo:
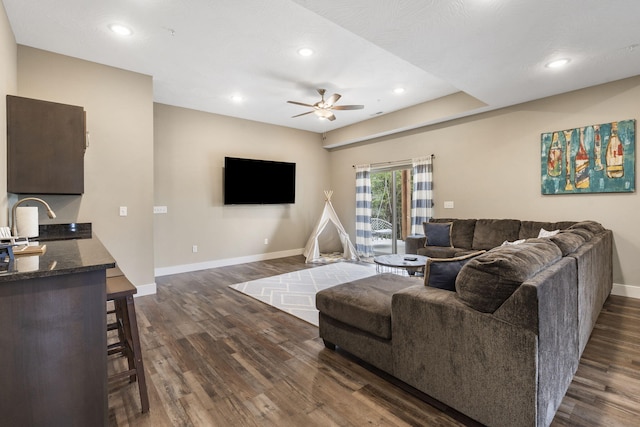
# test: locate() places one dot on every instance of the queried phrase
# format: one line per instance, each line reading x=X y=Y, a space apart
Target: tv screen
x=258 y=182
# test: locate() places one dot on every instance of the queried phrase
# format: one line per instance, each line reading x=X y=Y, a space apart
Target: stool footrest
x=124 y=374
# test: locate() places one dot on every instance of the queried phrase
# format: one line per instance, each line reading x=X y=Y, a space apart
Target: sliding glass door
x=390 y=209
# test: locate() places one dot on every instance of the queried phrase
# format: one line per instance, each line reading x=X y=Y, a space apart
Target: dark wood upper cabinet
x=46 y=142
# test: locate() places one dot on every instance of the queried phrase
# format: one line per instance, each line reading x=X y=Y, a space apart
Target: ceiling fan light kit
x=323 y=108
x=324 y=114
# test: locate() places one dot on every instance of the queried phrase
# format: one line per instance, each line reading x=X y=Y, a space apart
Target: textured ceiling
x=201 y=52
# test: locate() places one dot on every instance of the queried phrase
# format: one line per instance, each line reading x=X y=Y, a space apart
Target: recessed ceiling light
x=305 y=51
x=398 y=90
x=236 y=98
x=558 y=63
x=121 y=30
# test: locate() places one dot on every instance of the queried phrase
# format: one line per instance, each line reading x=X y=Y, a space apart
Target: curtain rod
x=398 y=162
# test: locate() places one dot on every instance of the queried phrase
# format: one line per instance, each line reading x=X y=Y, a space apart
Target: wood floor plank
x=215 y=357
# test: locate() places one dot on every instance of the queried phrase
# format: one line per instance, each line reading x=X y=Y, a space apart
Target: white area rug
x=295 y=293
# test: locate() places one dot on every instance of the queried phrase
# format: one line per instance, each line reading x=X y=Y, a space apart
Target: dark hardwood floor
x=215 y=357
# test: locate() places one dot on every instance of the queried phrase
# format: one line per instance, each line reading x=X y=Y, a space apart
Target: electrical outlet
x=448 y=205
x=194 y=248
x=123 y=211
x=159 y=209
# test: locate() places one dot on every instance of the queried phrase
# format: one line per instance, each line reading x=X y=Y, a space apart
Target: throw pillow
x=515 y=242
x=442 y=272
x=438 y=234
x=545 y=233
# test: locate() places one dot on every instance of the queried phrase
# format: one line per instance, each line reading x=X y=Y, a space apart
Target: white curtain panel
x=422 y=200
x=363 y=211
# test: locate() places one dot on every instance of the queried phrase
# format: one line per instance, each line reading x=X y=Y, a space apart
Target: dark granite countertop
x=60 y=257
x=74 y=230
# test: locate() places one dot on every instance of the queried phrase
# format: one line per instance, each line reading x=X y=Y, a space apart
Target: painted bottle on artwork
x=615 y=154
x=554 y=157
x=567 y=137
x=597 y=148
x=582 y=164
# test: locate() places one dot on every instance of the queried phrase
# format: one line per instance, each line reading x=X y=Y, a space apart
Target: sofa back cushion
x=486 y=281
x=568 y=241
x=531 y=229
x=586 y=234
x=490 y=233
x=592 y=226
x=461 y=231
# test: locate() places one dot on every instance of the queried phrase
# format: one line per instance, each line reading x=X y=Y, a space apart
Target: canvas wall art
x=590 y=159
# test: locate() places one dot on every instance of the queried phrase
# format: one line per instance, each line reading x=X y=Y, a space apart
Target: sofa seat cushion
x=365 y=303
x=490 y=233
x=486 y=281
x=437 y=252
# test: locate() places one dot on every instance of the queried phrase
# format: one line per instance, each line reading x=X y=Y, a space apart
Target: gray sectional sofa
x=502 y=346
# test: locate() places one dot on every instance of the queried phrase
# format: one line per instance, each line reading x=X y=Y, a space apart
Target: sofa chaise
x=500 y=345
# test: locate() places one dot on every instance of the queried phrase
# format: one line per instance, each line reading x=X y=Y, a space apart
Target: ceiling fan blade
x=348 y=107
x=308 y=112
x=331 y=118
x=300 y=103
x=333 y=99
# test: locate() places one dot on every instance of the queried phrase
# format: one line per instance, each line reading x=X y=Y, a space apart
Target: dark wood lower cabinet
x=52 y=351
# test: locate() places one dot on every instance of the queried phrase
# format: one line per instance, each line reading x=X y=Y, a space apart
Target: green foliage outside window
x=381 y=194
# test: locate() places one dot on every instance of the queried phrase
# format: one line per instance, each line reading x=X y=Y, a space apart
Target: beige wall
x=489 y=166
x=119 y=160
x=190 y=147
x=8 y=86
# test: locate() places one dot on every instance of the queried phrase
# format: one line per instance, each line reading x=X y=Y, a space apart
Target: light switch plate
x=123 y=211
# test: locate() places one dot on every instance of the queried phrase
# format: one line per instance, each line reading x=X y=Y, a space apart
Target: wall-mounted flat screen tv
x=258 y=182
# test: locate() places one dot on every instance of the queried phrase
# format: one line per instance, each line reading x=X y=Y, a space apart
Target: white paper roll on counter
x=27 y=221
x=27 y=263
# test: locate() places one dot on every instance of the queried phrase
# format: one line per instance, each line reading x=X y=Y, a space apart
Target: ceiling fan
x=323 y=108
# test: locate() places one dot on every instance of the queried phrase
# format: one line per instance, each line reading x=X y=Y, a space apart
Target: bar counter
x=60 y=257
x=53 y=336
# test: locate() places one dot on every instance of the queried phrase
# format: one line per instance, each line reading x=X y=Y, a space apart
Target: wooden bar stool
x=120 y=290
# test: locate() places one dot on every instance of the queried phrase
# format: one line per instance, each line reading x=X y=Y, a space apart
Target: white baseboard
x=185 y=268
x=626 y=290
x=149 y=289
